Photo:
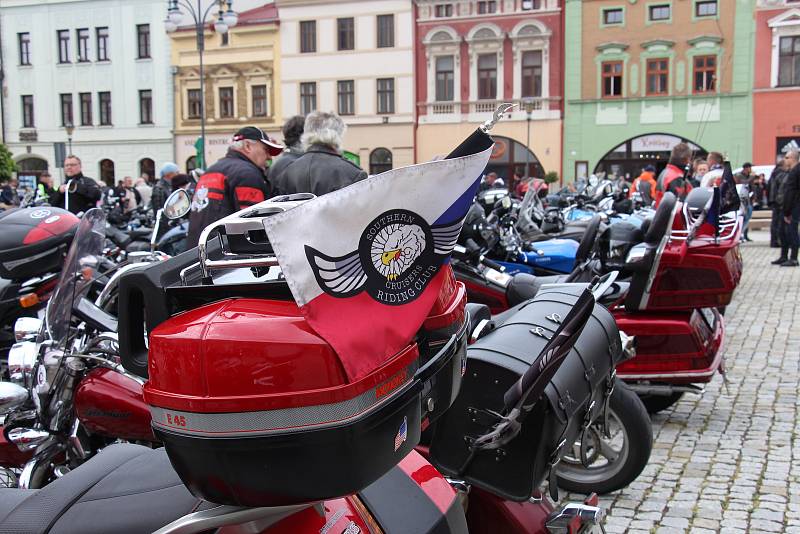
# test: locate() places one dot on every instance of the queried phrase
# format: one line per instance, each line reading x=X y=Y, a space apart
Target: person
x=145 y=189
x=8 y=195
x=671 y=178
x=491 y=181
x=234 y=182
x=758 y=185
x=645 y=185
x=775 y=200
x=700 y=170
x=321 y=169
x=45 y=192
x=80 y=193
x=790 y=241
x=180 y=181
x=292 y=134
x=714 y=175
x=742 y=180
x=130 y=197
x=163 y=187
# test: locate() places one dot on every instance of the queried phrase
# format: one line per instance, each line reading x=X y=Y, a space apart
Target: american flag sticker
x=402 y=434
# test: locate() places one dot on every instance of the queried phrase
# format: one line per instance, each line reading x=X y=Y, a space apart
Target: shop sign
x=657 y=143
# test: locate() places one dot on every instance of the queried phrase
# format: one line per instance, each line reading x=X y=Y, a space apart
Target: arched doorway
x=147 y=166
x=107 y=172
x=28 y=171
x=191 y=164
x=510 y=157
x=629 y=158
x=380 y=160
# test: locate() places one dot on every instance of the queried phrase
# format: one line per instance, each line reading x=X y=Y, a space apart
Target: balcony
x=480 y=110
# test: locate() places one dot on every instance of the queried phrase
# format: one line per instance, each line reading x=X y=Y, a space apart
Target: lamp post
x=528 y=104
x=69 y=128
x=226 y=18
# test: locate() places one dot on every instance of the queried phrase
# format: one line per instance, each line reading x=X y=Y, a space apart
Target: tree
x=551 y=177
x=7 y=165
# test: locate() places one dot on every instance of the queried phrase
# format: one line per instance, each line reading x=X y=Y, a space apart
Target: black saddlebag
x=574 y=398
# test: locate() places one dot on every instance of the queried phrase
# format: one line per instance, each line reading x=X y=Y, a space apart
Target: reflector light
x=29 y=300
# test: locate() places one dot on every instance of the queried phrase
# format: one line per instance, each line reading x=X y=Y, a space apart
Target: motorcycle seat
x=525 y=286
x=124 y=489
x=141 y=233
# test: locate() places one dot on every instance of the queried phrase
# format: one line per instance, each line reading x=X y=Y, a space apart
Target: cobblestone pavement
x=729 y=460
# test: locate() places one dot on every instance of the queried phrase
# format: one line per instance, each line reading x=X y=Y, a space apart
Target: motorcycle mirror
x=177 y=204
x=26 y=328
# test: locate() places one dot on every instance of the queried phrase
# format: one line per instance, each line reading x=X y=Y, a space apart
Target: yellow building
x=242 y=83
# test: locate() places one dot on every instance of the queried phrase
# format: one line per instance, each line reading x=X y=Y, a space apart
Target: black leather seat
x=525 y=286
x=124 y=489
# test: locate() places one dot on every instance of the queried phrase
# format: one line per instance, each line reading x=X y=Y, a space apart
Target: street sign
x=61 y=154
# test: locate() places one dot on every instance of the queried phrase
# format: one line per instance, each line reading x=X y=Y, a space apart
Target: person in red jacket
x=645 y=185
x=672 y=177
x=234 y=182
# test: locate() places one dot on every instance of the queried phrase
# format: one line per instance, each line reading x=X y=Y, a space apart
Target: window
x=613 y=16
x=705 y=8
x=308 y=97
x=789 y=61
x=445 y=83
x=347 y=97
x=105 y=108
x=346 y=32
x=146 y=106
x=487 y=76
x=259 y=95
x=660 y=12
x=528 y=5
x=194 y=103
x=143 y=40
x=86 y=108
x=705 y=74
x=443 y=10
x=27 y=111
x=487 y=7
x=102 y=44
x=66 y=109
x=82 y=36
x=385 y=31
x=612 y=79
x=63 y=46
x=24 y=40
x=380 y=160
x=385 y=95
x=657 y=76
x=226 y=102
x=532 y=73
x=224 y=40
x=308 y=36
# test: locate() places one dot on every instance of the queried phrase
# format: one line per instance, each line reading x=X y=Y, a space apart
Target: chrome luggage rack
x=729 y=223
x=245 y=225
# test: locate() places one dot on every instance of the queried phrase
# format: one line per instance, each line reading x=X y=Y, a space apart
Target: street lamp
x=226 y=19
x=528 y=103
x=69 y=127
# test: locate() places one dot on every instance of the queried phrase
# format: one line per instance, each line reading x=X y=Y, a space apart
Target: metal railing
x=480 y=106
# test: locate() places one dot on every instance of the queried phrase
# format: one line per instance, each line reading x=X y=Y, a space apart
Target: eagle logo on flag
x=398 y=254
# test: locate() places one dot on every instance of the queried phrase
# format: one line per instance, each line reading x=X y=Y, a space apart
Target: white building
x=104 y=66
x=355 y=58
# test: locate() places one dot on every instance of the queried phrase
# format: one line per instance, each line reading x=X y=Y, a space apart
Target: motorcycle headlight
x=21 y=361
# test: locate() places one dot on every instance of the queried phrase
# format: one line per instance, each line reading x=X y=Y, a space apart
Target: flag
x=729 y=197
x=364 y=263
x=199 y=160
x=402 y=434
x=713 y=212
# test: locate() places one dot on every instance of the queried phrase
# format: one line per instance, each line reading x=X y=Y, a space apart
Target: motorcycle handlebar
x=492 y=264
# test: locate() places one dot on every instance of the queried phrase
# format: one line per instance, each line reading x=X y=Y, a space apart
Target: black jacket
x=775 y=187
x=791 y=191
x=85 y=197
x=161 y=191
x=231 y=184
x=275 y=171
x=320 y=170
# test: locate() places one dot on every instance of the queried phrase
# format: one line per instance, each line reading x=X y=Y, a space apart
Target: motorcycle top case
x=575 y=395
x=34 y=240
x=254 y=407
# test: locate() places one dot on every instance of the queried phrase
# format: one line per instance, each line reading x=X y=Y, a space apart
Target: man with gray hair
x=321 y=169
x=790 y=240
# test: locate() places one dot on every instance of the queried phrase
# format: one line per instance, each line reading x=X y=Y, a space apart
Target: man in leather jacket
x=322 y=169
x=775 y=201
x=790 y=240
x=292 y=132
x=234 y=182
x=84 y=192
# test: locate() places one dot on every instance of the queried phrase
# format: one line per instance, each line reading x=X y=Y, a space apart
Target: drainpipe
x=2 y=88
x=414 y=76
x=563 y=39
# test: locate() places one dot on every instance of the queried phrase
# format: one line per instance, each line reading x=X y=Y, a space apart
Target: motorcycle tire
x=629 y=420
x=659 y=403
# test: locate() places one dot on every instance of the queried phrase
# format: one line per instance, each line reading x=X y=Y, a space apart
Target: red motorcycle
x=258 y=417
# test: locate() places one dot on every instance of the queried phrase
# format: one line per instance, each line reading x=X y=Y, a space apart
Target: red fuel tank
x=110 y=403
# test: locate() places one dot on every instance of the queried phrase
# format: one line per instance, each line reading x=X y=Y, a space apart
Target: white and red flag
x=365 y=263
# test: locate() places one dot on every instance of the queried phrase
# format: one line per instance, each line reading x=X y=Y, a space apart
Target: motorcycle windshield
x=80 y=268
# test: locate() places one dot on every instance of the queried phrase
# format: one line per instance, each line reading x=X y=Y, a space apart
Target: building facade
x=101 y=66
x=643 y=75
x=242 y=84
x=473 y=55
x=776 y=91
x=354 y=58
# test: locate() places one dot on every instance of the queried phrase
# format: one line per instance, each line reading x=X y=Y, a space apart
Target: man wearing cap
x=234 y=182
x=163 y=187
